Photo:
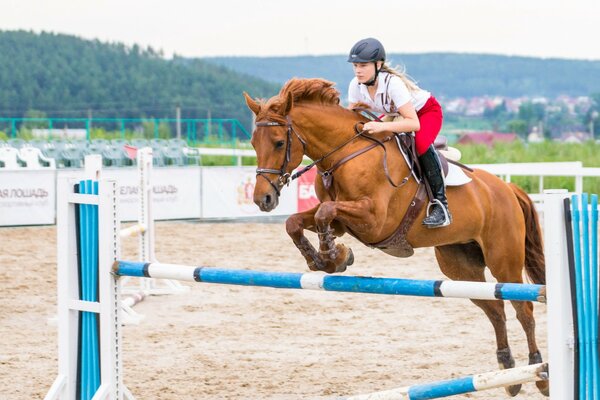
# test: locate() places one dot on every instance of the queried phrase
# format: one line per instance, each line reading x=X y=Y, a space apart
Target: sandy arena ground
x=226 y=342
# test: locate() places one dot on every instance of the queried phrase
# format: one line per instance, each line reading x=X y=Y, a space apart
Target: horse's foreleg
x=355 y=214
x=295 y=226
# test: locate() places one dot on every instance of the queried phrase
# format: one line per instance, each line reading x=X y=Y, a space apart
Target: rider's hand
x=374 y=127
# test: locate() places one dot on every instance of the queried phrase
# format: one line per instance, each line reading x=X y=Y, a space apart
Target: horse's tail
x=535 y=265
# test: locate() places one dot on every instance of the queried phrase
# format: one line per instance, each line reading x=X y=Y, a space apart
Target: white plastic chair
x=35 y=159
x=9 y=158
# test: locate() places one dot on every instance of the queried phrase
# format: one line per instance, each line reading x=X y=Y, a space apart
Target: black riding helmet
x=368 y=50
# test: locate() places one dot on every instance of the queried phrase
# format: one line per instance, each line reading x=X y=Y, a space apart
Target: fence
x=214 y=131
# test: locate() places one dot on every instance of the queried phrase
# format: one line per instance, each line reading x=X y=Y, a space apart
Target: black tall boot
x=438 y=214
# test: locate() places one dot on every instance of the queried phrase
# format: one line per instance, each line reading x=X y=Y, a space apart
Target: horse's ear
x=253 y=105
x=287 y=105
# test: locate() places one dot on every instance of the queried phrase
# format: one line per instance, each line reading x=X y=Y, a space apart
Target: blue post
x=89 y=362
x=594 y=292
x=13 y=128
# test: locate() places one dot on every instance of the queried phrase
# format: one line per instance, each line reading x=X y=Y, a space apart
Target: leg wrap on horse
x=432 y=171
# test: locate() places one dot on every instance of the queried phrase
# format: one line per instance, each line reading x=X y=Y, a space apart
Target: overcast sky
x=541 y=28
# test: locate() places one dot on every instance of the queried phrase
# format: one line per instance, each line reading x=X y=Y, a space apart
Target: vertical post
x=108 y=291
x=187 y=131
x=89 y=123
x=178 y=122
x=208 y=125
x=578 y=184
x=13 y=128
x=155 y=128
x=144 y=165
x=93 y=166
x=560 y=318
x=122 y=128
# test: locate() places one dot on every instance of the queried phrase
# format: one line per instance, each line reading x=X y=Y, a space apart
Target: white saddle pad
x=456 y=176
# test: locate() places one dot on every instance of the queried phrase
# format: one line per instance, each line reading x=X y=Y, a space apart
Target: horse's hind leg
x=508 y=267
x=464 y=262
x=524 y=311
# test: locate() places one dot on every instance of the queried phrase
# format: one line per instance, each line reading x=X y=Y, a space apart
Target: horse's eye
x=279 y=144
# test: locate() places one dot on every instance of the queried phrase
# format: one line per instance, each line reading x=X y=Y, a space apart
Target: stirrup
x=447 y=218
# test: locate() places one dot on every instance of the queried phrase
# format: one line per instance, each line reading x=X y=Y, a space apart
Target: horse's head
x=279 y=149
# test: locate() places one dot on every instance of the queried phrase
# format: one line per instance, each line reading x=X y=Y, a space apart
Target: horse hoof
x=543 y=387
x=513 y=390
x=349 y=261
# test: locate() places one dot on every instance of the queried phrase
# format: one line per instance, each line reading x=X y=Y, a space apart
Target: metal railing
x=220 y=131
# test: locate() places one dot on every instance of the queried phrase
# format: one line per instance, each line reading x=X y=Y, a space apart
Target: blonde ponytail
x=400 y=72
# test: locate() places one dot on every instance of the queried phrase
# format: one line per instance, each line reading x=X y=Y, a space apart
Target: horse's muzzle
x=268 y=201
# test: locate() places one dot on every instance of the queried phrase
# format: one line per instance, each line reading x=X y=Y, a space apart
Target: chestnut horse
x=494 y=225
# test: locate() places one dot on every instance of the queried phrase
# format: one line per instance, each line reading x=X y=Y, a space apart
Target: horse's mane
x=304 y=91
x=313 y=90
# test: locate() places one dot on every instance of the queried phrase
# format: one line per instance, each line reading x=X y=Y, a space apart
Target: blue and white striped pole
x=473 y=383
x=335 y=283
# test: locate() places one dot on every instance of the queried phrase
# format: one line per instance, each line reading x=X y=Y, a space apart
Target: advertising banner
x=227 y=192
x=175 y=192
x=307 y=197
x=27 y=197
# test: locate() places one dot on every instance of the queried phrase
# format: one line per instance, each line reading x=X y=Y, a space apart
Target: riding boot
x=438 y=214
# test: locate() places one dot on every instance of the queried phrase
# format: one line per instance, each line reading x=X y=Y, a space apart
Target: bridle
x=283 y=177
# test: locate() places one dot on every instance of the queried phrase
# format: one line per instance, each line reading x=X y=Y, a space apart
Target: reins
x=284 y=177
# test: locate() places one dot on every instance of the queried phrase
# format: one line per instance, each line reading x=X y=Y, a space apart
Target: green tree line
x=57 y=75
x=445 y=74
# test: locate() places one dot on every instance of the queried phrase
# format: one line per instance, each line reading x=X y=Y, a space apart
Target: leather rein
x=284 y=177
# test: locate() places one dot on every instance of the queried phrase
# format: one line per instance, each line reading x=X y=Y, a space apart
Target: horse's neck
x=322 y=128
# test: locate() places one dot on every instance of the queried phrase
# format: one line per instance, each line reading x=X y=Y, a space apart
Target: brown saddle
x=396 y=244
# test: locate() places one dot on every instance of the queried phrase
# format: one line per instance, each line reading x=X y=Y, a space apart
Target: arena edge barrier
x=105 y=304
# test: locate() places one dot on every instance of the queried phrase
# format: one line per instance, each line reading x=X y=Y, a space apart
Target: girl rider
x=391 y=92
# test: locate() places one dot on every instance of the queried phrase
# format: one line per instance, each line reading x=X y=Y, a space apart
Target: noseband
x=283 y=177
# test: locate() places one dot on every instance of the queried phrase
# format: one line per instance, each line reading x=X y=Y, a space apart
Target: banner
x=175 y=192
x=307 y=198
x=27 y=197
x=227 y=192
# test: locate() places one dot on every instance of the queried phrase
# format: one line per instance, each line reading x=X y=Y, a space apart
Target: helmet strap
x=372 y=81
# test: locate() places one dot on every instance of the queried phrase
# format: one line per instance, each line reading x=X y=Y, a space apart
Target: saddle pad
x=456 y=176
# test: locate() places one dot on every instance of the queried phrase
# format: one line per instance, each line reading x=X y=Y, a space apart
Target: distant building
x=487 y=138
x=535 y=136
